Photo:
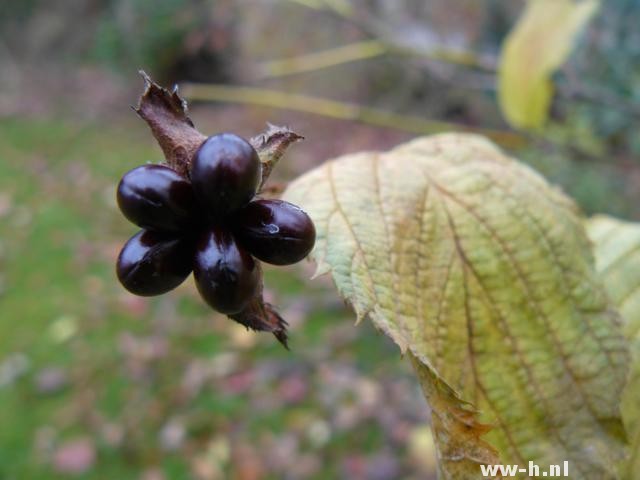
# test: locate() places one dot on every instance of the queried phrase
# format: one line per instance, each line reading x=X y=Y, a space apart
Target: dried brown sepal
x=166 y=114
x=271 y=145
x=263 y=317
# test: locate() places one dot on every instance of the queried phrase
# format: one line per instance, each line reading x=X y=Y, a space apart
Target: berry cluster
x=211 y=225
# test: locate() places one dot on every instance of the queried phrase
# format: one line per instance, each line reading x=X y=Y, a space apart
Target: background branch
x=468 y=70
x=340 y=110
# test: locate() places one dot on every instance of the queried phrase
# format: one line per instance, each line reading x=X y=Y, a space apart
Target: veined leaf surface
x=483 y=274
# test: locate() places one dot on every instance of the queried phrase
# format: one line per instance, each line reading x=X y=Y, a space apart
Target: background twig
x=340 y=110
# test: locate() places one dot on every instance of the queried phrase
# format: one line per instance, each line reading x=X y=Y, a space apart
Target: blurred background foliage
x=95 y=383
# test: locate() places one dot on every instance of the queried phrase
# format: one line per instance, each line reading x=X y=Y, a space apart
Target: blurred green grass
x=61 y=307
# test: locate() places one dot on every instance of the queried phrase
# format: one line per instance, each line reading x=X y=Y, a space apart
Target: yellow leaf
x=540 y=42
x=483 y=274
x=617 y=249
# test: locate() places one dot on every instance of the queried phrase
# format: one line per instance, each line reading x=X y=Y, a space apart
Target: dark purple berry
x=275 y=231
x=225 y=174
x=152 y=263
x=227 y=277
x=156 y=198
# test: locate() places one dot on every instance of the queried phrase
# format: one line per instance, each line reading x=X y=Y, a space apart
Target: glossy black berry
x=274 y=231
x=152 y=263
x=157 y=198
x=225 y=173
x=227 y=277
